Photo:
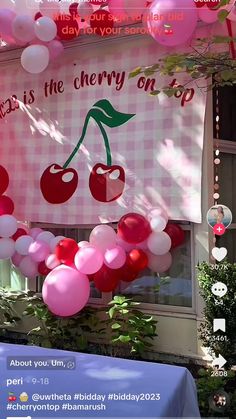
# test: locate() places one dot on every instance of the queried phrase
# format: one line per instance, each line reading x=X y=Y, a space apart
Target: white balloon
x=7 y=248
x=8 y=225
x=35 y=59
x=22 y=245
x=159 y=243
x=45 y=29
x=158 y=224
x=46 y=236
x=55 y=241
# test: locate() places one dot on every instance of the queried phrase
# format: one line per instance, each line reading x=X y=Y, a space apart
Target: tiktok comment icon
x=219 y=217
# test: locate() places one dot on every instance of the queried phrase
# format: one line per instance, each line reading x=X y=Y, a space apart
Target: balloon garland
x=106 y=259
x=40 y=27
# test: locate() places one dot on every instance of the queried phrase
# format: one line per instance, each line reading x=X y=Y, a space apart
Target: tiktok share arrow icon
x=220 y=362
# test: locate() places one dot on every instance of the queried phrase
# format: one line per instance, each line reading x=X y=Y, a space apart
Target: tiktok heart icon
x=107 y=183
x=219 y=253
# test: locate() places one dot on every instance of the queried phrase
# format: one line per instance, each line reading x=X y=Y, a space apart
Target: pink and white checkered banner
x=84 y=144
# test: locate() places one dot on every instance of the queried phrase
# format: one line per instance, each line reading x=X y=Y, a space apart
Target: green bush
x=219 y=343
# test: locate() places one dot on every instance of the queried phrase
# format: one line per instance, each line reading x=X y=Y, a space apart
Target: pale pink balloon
x=22 y=245
x=49 y=8
x=88 y=260
x=158 y=224
x=16 y=259
x=208 y=15
x=34 y=232
x=84 y=243
x=55 y=48
x=23 y=28
x=45 y=29
x=46 y=236
x=65 y=291
x=39 y=250
x=177 y=24
x=126 y=246
x=159 y=243
x=28 y=267
x=52 y=261
x=35 y=59
x=54 y=241
x=6 y=19
x=8 y=225
x=115 y=258
x=103 y=237
x=159 y=264
x=7 y=248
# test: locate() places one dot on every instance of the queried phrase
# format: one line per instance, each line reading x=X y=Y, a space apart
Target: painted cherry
x=107 y=183
x=58 y=184
x=4 y=180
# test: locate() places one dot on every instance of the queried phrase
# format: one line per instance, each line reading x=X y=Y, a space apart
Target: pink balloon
x=35 y=59
x=103 y=237
x=159 y=264
x=46 y=236
x=177 y=24
x=34 y=232
x=65 y=291
x=39 y=251
x=7 y=248
x=28 y=267
x=115 y=258
x=208 y=15
x=88 y=260
x=8 y=225
x=52 y=261
x=22 y=244
x=45 y=29
x=23 y=28
x=55 y=49
x=6 y=18
x=16 y=259
x=49 y=8
x=84 y=243
x=126 y=246
x=159 y=243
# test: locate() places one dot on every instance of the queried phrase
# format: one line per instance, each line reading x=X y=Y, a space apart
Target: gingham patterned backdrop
x=160 y=148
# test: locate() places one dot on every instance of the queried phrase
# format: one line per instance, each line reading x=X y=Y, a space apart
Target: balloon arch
x=106 y=259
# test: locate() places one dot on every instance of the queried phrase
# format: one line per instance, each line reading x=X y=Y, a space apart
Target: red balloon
x=134 y=228
x=73 y=9
x=67 y=27
x=19 y=232
x=38 y=15
x=6 y=205
x=106 y=279
x=102 y=22
x=126 y=274
x=176 y=234
x=43 y=269
x=4 y=182
x=66 y=250
x=137 y=260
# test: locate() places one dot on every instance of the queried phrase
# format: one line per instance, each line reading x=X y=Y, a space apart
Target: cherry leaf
x=104 y=112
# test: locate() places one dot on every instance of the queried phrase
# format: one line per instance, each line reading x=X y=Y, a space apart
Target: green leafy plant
x=215 y=307
x=131 y=327
x=8 y=314
x=207 y=384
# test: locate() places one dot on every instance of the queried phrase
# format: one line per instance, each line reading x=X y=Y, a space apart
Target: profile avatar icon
x=219 y=214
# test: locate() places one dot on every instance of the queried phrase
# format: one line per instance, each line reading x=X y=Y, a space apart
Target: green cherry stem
x=106 y=141
x=76 y=149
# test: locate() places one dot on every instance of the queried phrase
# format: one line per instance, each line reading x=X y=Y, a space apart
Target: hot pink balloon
x=23 y=28
x=208 y=15
x=34 y=232
x=65 y=291
x=7 y=248
x=8 y=225
x=55 y=49
x=159 y=243
x=28 y=267
x=103 y=237
x=88 y=260
x=52 y=261
x=177 y=24
x=22 y=244
x=115 y=258
x=39 y=251
x=159 y=264
x=6 y=18
x=16 y=259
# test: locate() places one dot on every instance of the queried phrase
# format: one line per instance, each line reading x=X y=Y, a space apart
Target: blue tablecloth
x=93 y=376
